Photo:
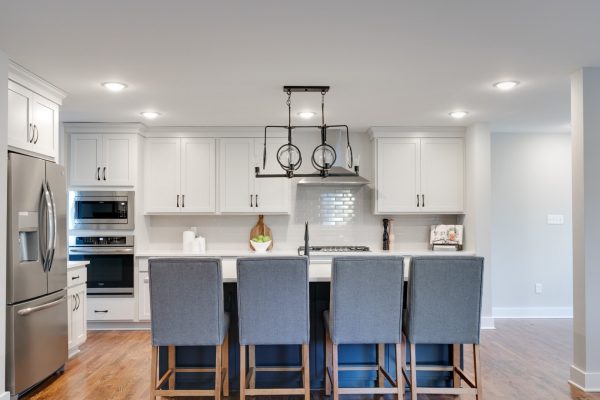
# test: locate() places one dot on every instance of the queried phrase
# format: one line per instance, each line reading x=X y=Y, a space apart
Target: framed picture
x=446 y=235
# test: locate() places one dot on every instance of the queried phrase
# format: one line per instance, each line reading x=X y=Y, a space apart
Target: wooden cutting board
x=261 y=229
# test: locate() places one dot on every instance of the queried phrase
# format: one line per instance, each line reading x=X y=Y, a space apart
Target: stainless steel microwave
x=101 y=210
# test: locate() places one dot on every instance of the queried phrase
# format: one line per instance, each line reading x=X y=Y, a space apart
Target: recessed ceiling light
x=114 y=86
x=306 y=114
x=506 y=85
x=458 y=114
x=150 y=114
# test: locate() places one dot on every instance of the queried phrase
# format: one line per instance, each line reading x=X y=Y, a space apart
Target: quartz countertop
x=76 y=264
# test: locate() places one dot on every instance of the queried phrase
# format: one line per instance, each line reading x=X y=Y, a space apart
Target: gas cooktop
x=334 y=249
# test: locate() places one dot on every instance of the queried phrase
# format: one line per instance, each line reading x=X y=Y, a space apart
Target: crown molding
x=104 y=127
x=416 y=131
x=24 y=77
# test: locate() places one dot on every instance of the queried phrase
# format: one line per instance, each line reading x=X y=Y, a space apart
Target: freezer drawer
x=37 y=335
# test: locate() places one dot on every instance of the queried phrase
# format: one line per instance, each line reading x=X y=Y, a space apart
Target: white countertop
x=319 y=268
x=76 y=264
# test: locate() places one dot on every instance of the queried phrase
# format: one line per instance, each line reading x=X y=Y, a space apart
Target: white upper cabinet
x=179 y=175
x=32 y=122
x=198 y=175
x=419 y=175
x=442 y=174
x=240 y=190
x=102 y=159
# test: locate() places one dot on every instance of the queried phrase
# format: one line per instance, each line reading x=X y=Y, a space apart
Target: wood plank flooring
x=521 y=359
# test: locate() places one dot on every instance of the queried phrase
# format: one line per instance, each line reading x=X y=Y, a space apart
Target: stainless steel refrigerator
x=37 y=330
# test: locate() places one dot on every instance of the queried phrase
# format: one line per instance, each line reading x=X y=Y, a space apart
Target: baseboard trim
x=5 y=396
x=118 y=326
x=532 y=312
x=586 y=381
x=487 y=323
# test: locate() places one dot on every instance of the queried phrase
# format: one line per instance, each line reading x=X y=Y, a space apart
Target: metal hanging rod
x=304 y=89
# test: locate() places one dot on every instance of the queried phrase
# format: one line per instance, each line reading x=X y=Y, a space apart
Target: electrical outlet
x=538 y=288
x=556 y=219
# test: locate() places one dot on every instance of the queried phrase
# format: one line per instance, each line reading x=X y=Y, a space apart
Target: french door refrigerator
x=37 y=330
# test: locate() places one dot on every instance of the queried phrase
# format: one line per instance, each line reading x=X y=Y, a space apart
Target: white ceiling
x=388 y=62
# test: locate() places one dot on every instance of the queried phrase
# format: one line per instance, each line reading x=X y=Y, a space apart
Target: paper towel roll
x=188 y=240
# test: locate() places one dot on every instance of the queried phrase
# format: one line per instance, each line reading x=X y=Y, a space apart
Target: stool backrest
x=186 y=299
x=273 y=300
x=366 y=299
x=444 y=299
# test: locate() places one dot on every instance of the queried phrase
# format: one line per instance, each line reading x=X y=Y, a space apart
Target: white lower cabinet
x=77 y=300
x=143 y=296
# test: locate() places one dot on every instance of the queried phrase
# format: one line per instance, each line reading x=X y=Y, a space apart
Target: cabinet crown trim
x=24 y=77
x=376 y=132
x=104 y=127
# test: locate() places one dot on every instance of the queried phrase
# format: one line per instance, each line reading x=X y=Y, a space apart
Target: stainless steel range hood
x=338 y=141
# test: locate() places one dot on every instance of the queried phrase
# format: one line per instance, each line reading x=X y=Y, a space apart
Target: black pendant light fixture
x=324 y=155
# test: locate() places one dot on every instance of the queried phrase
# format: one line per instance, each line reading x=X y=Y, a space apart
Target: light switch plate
x=556 y=219
x=538 y=288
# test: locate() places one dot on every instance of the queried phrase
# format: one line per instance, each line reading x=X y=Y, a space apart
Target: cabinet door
x=44 y=115
x=143 y=296
x=19 y=127
x=442 y=174
x=118 y=155
x=236 y=172
x=397 y=175
x=272 y=194
x=71 y=302
x=79 y=320
x=162 y=175
x=197 y=175
x=85 y=160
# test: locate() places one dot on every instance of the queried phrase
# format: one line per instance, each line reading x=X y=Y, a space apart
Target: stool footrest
x=274 y=392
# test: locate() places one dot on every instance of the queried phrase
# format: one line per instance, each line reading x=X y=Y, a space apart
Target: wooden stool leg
x=381 y=364
x=172 y=367
x=218 y=369
x=399 y=376
x=335 y=373
x=225 y=363
x=456 y=364
x=413 y=371
x=153 y=372
x=478 y=380
x=252 y=365
x=327 y=364
x=306 y=371
x=242 y=372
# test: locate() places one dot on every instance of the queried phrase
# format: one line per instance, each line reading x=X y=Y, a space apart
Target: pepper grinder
x=391 y=235
x=386 y=234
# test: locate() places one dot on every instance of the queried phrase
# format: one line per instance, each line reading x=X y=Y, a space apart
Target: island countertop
x=319 y=268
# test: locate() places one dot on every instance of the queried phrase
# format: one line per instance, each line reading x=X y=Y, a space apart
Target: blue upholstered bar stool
x=186 y=298
x=365 y=308
x=273 y=310
x=444 y=307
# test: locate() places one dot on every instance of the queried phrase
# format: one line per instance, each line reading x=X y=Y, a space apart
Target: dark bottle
x=386 y=234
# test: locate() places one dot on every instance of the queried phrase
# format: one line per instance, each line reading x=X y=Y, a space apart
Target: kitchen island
x=434 y=357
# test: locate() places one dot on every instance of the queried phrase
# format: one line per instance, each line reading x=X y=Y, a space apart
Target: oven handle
x=96 y=250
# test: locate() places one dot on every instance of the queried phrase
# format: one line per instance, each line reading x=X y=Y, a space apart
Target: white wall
x=531 y=178
x=3 y=208
x=226 y=232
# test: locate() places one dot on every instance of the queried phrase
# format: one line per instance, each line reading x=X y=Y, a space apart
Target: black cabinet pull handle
x=74 y=277
x=183 y=200
x=417 y=200
x=98 y=174
x=36 y=133
x=101 y=311
x=104 y=173
x=251 y=196
x=75 y=300
x=32 y=134
x=256 y=202
x=177 y=200
x=423 y=200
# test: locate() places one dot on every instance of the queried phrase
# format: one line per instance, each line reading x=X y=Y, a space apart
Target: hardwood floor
x=521 y=359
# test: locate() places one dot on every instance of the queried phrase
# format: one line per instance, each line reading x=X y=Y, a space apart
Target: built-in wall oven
x=101 y=210
x=110 y=271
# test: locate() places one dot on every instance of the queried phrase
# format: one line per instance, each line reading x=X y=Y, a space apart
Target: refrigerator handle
x=52 y=218
x=27 y=311
x=49 y=215
x=42 y=223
